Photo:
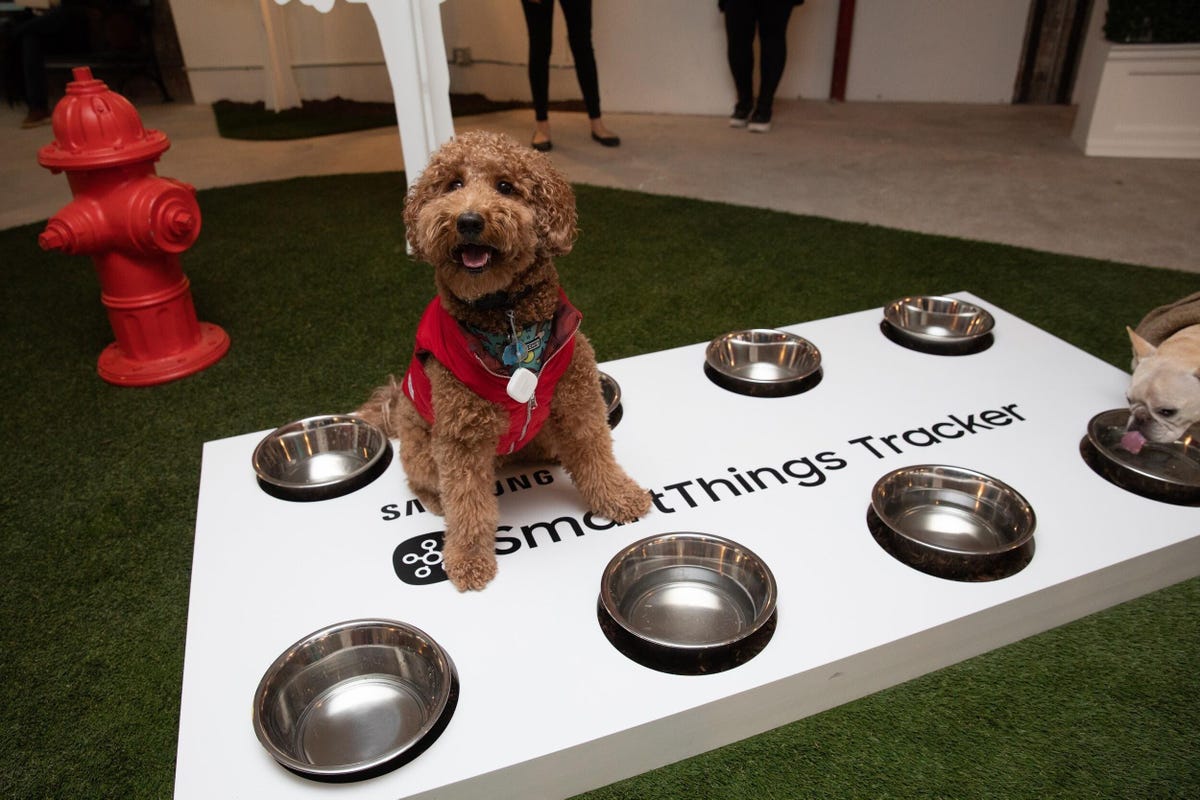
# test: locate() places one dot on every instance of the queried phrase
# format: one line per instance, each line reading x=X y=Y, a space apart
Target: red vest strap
x=440 y=335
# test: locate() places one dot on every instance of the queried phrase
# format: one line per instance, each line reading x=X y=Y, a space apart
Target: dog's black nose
x=470 y=223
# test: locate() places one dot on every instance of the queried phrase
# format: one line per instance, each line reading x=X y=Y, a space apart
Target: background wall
x=663 y=56
x=666 y=56
x=958 y=51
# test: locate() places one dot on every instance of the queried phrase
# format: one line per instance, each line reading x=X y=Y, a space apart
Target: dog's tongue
x=1133 y=441
x=476 y=256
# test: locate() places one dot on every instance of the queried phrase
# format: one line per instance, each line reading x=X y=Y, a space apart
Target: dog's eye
x=504 y=187
x=454 y=185
x=1167 y=413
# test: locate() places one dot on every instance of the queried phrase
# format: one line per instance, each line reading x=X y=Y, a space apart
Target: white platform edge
x=577 y=768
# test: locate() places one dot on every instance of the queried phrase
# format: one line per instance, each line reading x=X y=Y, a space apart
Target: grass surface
x=98 y=486
x=325 y=117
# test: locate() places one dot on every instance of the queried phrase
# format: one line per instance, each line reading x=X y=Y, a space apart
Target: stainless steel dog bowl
x=763 y=363
x=1169 y=471
x=355 y=700
x=952 y=522
x=941 y=325
x=687 y=603
x=320 y=457
x=610 y=390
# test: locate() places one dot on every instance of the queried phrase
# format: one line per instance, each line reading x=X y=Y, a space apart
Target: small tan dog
x=499 y=370
x=1164 y=393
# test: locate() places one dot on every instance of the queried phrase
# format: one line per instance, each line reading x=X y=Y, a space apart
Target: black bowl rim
x=1150 y=479
x=980 y=311
x=334 y=487
x=954 y=566
x=950 y=347
x=768 y=388
x=613 y=411
x=1015 y=544
x=685 y=662
x=1134 y=482
x=608 y=604
x=349 y=772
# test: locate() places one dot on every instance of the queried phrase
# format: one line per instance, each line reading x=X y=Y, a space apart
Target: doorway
x=1053 y=40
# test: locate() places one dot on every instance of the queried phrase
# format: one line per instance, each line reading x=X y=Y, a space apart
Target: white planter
x=1141 y=100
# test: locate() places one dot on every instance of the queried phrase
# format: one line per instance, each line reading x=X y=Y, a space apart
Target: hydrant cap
x=96 y=128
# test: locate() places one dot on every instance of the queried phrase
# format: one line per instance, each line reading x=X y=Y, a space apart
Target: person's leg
x=578 y=16
x=34 y=37
x=739 y=39
x=12 y=81
x=31 y=38
x=772 y=41
x=539 y=21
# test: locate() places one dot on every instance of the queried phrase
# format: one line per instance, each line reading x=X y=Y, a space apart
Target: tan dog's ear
x=412 y=208
x=1141 y=348
x=428 y=185
x=557 y=218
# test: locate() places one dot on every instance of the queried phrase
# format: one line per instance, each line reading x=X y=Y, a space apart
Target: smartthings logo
x=418 y=561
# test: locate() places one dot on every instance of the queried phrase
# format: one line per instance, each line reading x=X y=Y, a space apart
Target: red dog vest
x=441 y=336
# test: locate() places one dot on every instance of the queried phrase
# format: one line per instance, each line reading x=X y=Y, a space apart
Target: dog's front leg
x=578 y=427
x=466 y=429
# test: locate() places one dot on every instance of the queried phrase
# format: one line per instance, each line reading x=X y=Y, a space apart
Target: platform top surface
x=788 y=477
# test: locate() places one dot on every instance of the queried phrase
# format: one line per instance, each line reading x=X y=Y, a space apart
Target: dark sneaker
x=760 y=121
x=740 y=116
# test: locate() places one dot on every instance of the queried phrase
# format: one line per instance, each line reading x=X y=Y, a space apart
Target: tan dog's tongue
x=1133 y=441
x=476 y=256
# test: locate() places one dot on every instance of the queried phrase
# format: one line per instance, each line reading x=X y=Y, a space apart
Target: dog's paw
x=624 y=503
x=469 y=569
x=471 y=574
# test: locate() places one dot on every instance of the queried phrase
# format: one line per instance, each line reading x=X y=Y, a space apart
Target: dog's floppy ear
x=557 y=219
x=1141 y=348
x=426 y=187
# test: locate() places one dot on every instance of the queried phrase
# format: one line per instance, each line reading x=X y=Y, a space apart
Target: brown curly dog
x=500 y=371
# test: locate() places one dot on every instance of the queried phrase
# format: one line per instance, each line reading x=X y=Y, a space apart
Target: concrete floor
x=1005 y=174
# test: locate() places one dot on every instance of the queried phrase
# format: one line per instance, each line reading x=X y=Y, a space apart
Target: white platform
x=548 y=708
x=1140 y=100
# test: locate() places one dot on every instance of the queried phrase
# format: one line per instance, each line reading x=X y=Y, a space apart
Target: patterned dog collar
x=522 y=347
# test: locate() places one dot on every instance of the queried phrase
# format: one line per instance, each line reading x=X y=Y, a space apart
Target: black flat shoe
x=607 y=141
x=542 y=147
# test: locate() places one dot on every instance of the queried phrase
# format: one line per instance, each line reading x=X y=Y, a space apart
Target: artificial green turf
x=98 y=486
x=254 y=121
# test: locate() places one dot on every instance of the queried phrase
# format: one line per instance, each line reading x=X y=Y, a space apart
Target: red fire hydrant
x=134 y=225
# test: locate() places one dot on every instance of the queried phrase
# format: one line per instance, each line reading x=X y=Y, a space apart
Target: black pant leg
x=740 y=22
x=772 y=41
x=578 y=15
x=539 y=21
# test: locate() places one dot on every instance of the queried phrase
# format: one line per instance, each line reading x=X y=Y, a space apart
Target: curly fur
x=522 y=213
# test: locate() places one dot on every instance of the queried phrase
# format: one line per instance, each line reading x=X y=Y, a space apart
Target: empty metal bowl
x=1166 y=471
x=952 y=522
x=355 y=700
x=687 y=603
x=321 y=457
x=610 y=390
x=942 y=325
x=763 y=363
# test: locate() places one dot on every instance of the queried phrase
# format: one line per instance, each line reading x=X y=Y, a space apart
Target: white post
x=411 y=35
x=410 y=32
x=282 y=91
